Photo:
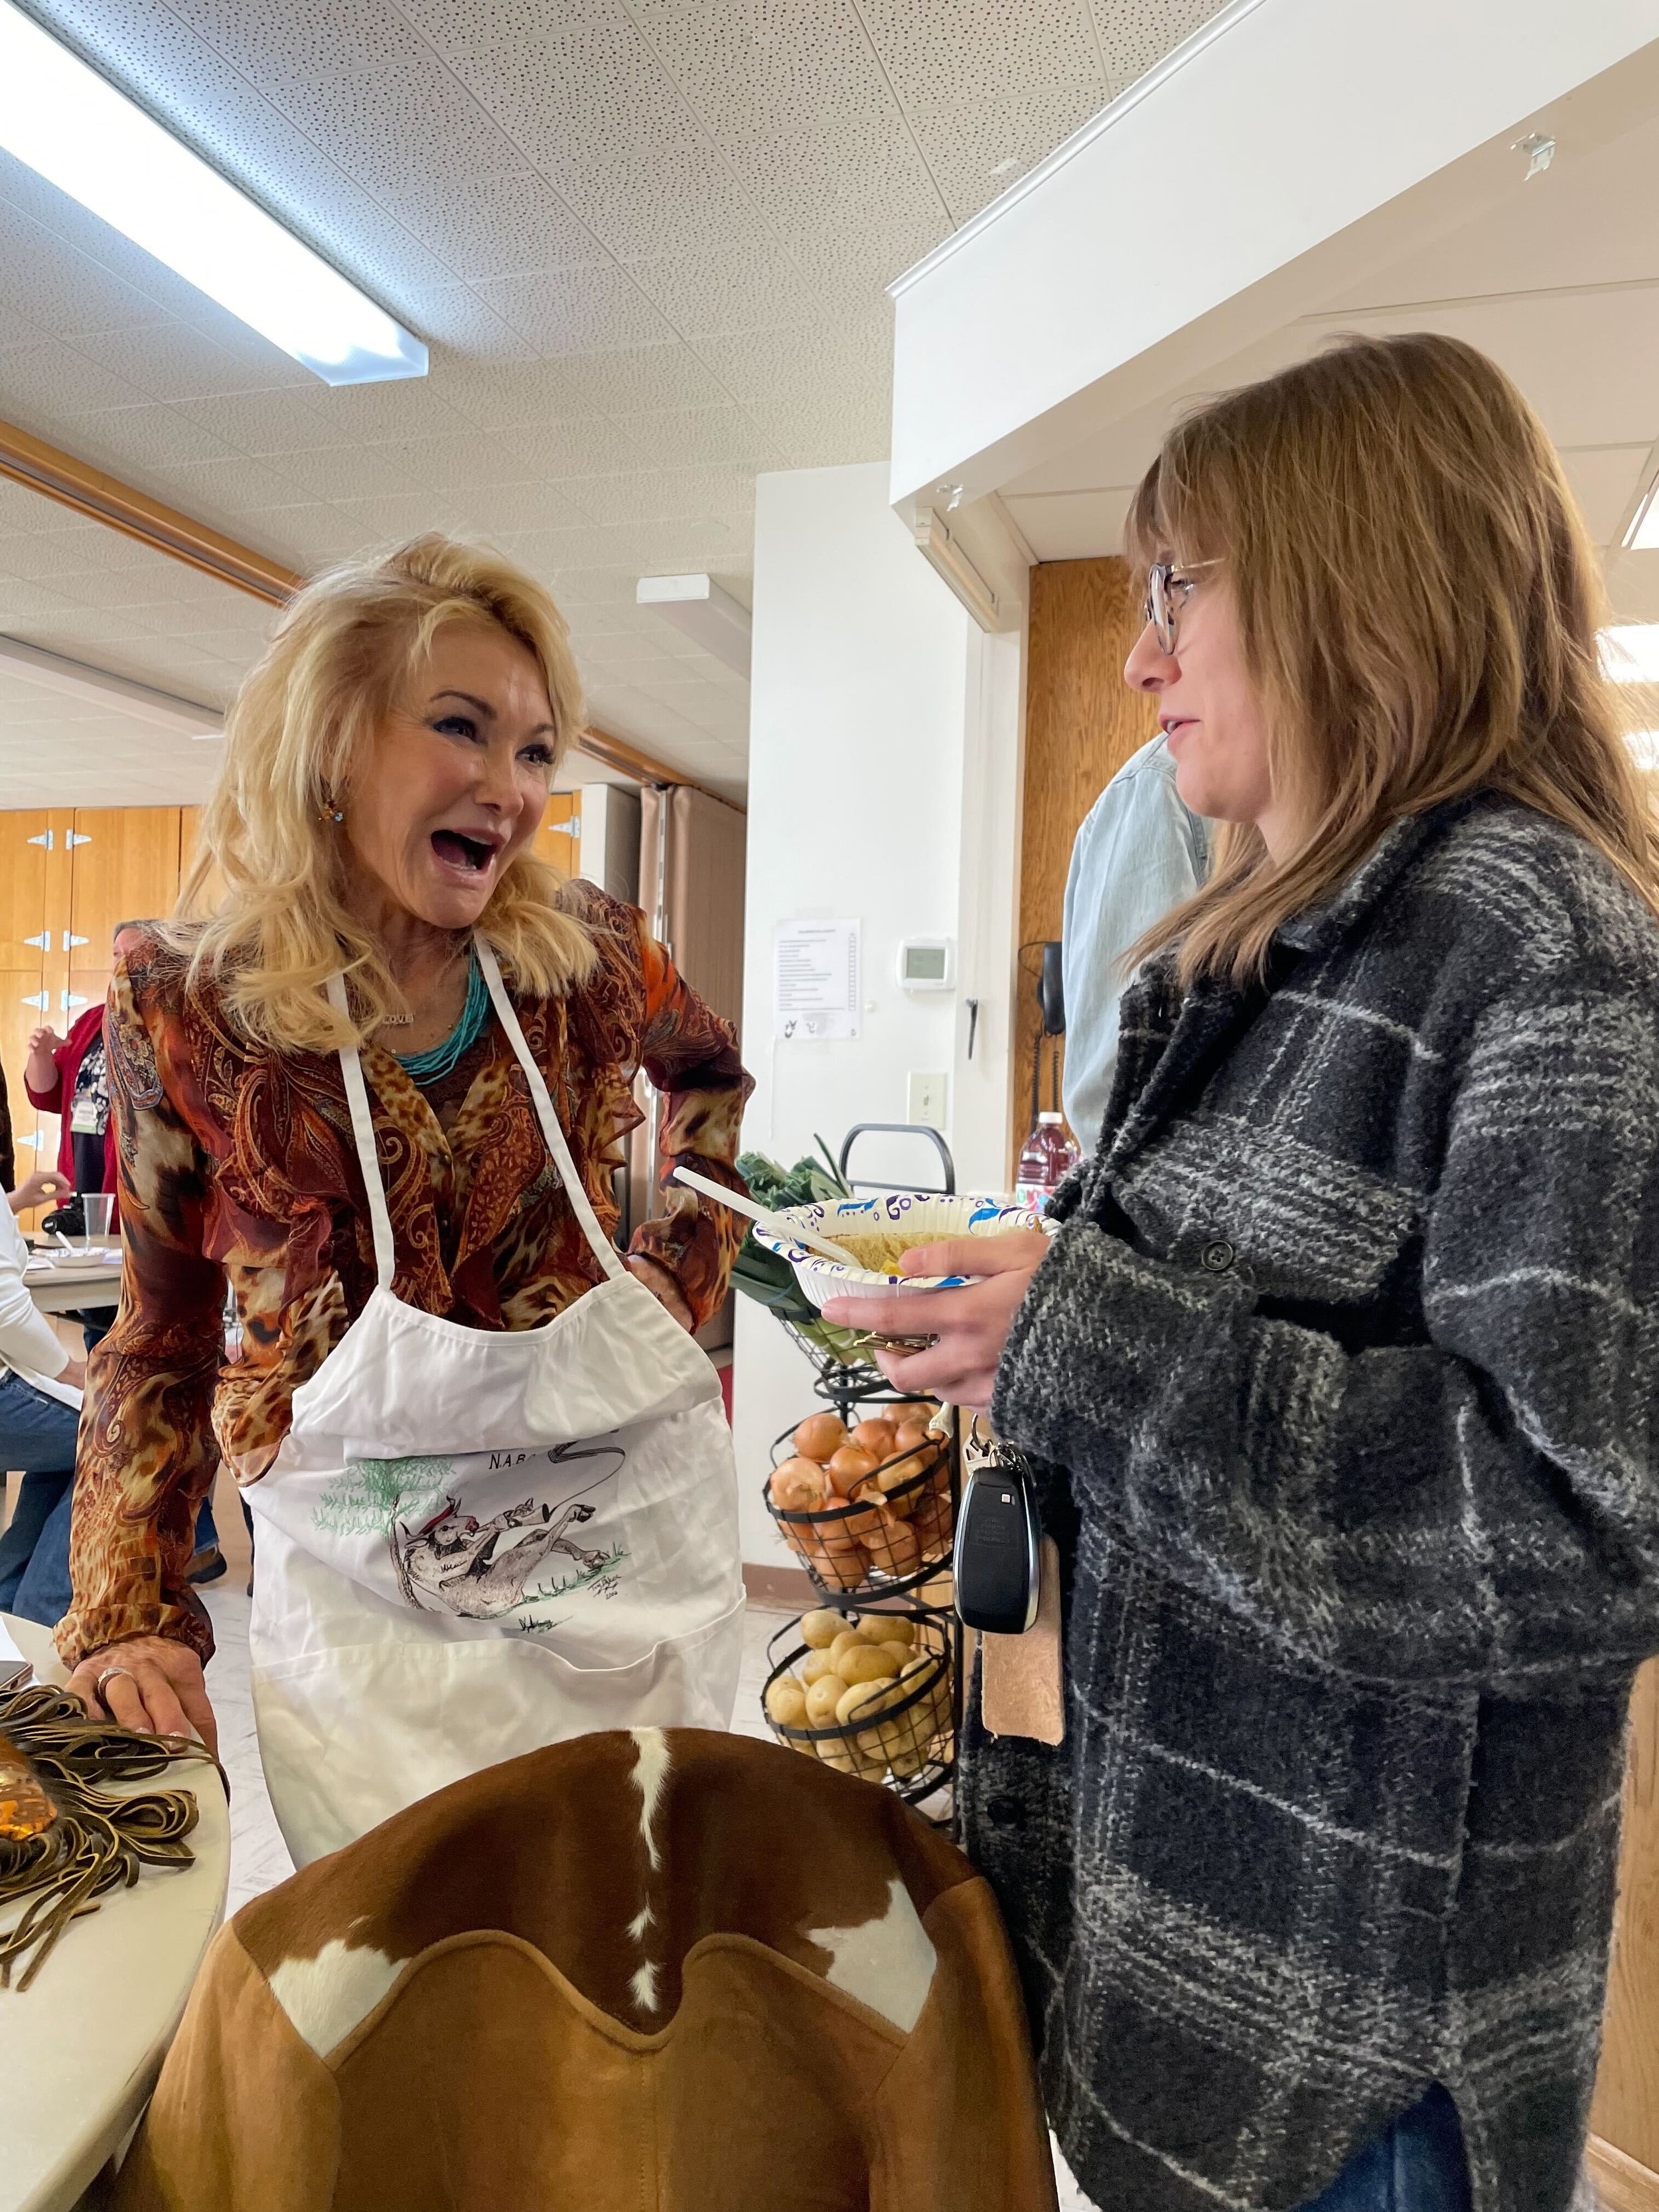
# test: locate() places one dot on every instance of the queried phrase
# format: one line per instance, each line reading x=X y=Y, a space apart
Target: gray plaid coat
x=1344 y=1370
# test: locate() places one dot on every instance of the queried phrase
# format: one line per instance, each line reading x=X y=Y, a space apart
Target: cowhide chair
x=673 y=1970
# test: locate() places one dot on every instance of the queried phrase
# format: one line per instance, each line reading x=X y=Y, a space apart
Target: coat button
x=1219 y=1256
x=1006 y=1813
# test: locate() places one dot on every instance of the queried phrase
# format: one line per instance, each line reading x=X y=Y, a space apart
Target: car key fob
x=996 y=1557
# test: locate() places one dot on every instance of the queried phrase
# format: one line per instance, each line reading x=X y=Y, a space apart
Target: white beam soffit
x=55 y=671
x=93 y=140
x=702 y=611
x=1286 y=145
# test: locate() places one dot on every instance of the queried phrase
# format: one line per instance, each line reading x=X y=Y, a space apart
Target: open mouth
x=461 y=851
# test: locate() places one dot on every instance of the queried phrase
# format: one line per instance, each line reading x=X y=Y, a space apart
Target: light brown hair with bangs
x=268 y=880
x=1419 y=602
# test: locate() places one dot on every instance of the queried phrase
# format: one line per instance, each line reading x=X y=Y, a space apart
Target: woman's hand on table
x=150 y=1682
x=45 y=1187
x=970 y=1326
x=662 y=1287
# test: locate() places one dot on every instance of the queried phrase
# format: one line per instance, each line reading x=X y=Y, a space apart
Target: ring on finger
x=111 y=1675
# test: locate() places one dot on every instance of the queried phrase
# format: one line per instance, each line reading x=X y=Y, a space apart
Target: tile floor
x=258 y=1858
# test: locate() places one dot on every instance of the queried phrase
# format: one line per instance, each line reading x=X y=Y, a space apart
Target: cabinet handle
x=35 y=1140
x=43 y=940
x=45 y=838
x=75 y=837
x=70 y=940
x=40 y=998
x=73 y=1002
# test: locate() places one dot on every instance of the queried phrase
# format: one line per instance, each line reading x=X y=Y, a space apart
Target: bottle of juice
x=1048 y=1158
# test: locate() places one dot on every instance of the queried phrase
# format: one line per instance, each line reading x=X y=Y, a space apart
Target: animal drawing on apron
x=492 y=1570
x=476 y=1543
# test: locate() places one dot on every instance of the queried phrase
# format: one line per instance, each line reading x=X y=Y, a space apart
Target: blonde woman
x=1343 y=1368
x=378 y=1093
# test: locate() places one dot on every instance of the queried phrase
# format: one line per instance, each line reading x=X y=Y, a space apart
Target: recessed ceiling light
x=66 y=122
x=1630 y=653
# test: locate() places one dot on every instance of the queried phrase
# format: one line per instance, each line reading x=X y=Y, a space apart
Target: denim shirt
x=1140 y=851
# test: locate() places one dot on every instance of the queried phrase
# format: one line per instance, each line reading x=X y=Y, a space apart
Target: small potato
x=821 y=1629
x=869 y=1665
x=890 y=1628
x=819 y=1434
x=825 y=1694
x=786 y=1702
x=862 y=1701
x=816 y=1663
x=900 y=1654
x=850 y=1639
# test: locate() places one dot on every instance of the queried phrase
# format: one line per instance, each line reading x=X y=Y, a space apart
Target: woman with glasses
x=1341 y=1373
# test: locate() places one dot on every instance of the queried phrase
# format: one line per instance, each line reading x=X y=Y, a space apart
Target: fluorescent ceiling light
x=708 y=614
x=1643 y=536
x=1630 y=653
x=54 y=672
x=80 y=134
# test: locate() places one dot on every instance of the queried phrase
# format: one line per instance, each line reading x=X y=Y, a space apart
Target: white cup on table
x=99 y=1205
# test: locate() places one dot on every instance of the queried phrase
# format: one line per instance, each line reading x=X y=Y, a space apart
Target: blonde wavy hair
x=269 y=922
x=1419 y=602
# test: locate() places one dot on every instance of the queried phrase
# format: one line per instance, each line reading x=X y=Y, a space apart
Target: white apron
x=474 y=1544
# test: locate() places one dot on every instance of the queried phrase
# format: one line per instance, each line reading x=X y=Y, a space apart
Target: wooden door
x=559 y=838
x=190 y=824
x=33 y=916
x=125 y=868
x=1082 y=723
x=1624 y=2150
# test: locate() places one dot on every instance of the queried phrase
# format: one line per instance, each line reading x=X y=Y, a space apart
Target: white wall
x=883 y=788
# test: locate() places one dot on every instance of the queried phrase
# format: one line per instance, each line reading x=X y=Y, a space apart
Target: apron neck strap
x=362 y=1128
x=603 y=1250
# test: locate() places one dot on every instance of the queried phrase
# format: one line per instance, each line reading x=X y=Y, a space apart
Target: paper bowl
x=922 y=1218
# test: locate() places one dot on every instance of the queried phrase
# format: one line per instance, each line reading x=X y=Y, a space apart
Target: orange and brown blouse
x=237 y=1167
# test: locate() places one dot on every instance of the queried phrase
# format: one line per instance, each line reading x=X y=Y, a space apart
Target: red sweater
x=60 y=1097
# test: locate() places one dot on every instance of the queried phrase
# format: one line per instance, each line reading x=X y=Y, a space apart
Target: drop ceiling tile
x=53 y=382
x=473 y=461
x=785 y=362
x=262 y=423
x=171 y=361
x=504 y=224
x=452 y=320
x=228 y=488
x=645 y=378
x=712 y=437
x=304 y=537
x=588 y=587
x=742 y=289
x=356 y=471
x=827 y=433
x=151 y=436
x=409 y=408
x=499 y=510
x=566 y=311
x=60 y=291
x=796 y=98
x=396 y=515
x=665 y=495
x=1136 y=34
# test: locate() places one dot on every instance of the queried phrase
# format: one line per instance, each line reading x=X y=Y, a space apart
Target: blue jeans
x=37 y=1434
x=1416 y=2165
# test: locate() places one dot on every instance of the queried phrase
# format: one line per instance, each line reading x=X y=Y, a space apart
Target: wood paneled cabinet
x=68 y=877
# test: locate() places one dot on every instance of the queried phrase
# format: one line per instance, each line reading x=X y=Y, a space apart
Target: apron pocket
x=350 y=1736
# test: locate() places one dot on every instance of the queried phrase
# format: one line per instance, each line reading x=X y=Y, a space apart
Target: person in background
x=70 y=1077
x=40 y=1412
x=1140 y=851
x=1338 y=1380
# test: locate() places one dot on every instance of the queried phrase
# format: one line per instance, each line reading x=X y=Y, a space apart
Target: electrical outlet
x=925 y=1100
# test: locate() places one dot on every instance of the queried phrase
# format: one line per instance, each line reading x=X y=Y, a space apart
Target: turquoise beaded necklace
x=424 y=1068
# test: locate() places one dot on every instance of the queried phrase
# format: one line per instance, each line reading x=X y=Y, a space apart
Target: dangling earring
x=331 y=812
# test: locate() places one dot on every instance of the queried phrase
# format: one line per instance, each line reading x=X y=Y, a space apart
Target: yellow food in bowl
x=880 y=1252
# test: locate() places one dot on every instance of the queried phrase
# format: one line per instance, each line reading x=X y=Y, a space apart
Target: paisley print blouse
x=236 y=1166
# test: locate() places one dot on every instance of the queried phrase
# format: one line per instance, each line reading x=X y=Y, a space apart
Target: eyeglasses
x=1167 y=584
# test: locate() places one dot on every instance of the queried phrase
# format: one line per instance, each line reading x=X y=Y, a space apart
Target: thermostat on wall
x=924 y=963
